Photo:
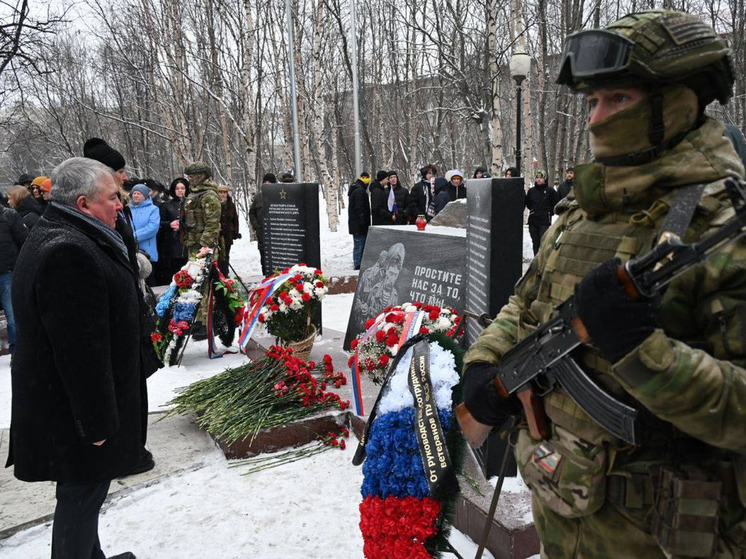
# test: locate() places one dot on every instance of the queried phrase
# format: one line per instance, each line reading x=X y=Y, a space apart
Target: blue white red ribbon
x=264 y=290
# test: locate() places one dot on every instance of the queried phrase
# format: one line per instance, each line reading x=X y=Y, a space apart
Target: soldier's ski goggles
x=594 y=54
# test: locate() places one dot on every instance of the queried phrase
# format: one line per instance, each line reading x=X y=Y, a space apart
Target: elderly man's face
x=104 y=204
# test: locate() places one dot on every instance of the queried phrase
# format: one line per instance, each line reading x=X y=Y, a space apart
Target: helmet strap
x=657 y=126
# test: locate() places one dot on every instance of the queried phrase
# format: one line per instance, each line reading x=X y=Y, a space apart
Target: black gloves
x=616 y=323
x=481 y=397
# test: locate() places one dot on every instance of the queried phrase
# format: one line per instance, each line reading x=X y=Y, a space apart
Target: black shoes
x=356 y=268
x=125 y=555
x=145 y=464
x=199 y=332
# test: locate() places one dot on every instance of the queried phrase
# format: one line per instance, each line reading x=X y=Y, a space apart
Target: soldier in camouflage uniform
x=678 y=358
x=201 y=211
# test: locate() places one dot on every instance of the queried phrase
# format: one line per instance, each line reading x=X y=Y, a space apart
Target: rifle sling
x=680 y=213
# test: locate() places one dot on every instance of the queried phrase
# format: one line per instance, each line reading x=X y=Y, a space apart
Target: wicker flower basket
x=302 y=349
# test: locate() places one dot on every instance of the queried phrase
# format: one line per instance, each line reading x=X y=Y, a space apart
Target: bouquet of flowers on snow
x=387 y=332
x=178 y=306
x=294 y=295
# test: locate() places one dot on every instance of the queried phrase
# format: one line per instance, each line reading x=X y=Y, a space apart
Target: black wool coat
x=379 y=210
x=358 y=212
x=76 y=368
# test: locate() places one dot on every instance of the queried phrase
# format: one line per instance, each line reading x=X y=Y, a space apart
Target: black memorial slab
x=494 y=240
x=291 y=228
x=401 y=264
x=291 y=225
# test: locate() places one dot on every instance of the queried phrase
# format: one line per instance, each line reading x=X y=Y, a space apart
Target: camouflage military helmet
x=656 y=47
x=198 y=168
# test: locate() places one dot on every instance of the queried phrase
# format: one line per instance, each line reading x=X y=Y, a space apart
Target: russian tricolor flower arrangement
x=265 y=393
x=411 y=450
x=178 y=306
x=374 y=349
x=284 y=303
x=198 y=282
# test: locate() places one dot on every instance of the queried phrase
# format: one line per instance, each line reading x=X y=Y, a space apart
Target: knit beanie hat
x=142 y=189
x=38 y=181
x=25 y=178
x=98 y=149
x=380 y=175
x=46 y=186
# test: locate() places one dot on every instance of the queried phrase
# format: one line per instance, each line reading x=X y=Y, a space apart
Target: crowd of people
x=384 y=201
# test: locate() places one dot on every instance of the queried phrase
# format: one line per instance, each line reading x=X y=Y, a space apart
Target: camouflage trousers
x=605 y=534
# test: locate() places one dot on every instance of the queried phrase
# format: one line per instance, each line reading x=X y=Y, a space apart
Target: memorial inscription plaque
x=401 y=264
x=291 y=225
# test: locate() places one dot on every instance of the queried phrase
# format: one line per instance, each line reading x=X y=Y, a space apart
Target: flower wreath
x=284 y=303
x=178 y=306
x=378 y=345
x=401 y=516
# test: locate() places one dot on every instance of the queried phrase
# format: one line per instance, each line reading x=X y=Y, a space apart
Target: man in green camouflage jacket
x=201 y=211
x=678 y=358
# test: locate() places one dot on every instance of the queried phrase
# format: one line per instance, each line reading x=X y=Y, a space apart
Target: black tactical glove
x=481 y=397
x=616 y=323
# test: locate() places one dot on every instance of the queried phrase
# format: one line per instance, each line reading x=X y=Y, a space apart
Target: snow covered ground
x=307 y=509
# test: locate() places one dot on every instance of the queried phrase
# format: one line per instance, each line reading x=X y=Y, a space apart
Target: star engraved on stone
x=283 y=194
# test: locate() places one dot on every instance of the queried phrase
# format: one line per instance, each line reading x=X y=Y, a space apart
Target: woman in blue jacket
x=146 y=220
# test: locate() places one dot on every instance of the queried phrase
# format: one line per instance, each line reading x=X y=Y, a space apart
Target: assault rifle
x=542 y=361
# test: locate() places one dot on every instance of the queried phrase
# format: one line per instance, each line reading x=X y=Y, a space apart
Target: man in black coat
x=358 y=216
x=379 y=211
x=75 y=414
x=566 y=187
x=540 y=201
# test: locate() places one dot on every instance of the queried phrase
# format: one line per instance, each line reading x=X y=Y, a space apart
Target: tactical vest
x=194 y=215
x=582 y=466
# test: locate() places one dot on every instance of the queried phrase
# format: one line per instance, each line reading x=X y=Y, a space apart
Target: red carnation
x=383 y=360
x=261 y=318
x=434 y=315
x=370 y=322
x=354 y=344
x=306 y=297
x=380 y=336
x=156 y=337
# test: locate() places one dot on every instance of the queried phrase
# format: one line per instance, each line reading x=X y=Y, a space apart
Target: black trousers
x=75 y=528
x=537 y=232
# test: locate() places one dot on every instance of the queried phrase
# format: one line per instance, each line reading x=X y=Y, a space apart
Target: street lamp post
x=520 y=66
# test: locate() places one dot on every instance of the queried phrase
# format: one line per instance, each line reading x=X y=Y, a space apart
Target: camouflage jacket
x=690 y=373
x=202 y=211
